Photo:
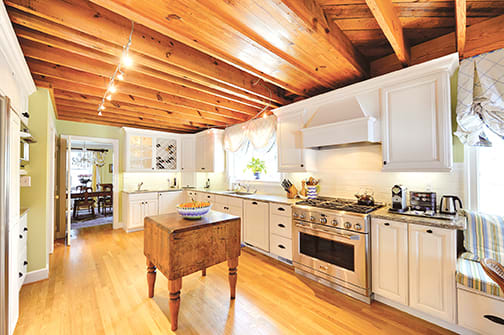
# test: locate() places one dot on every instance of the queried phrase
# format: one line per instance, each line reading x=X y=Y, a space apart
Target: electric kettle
x=448 y=204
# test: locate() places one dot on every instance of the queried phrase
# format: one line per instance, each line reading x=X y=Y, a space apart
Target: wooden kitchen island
x=178 y=247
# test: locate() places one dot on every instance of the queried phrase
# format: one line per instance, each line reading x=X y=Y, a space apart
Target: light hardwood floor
x=99 y=286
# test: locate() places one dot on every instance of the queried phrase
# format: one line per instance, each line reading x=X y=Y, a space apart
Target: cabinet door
x=168 y=202
x=150 y=208
x=188 y=145
x=290 y=146
x=416 y=125
x=136 y=214
x=201 y=153
x=390 y=259
x=256 y=224
x=166 y=154
x=140 y=153
x=432 y=258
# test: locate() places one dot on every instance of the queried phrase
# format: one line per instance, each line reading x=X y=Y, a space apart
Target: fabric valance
x=480 y=98
x=258 y=132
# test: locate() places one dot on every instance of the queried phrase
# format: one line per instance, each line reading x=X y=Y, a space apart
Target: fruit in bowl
x=193 y=210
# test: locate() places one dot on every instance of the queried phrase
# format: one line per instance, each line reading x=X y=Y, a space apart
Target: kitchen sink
x=239 y=193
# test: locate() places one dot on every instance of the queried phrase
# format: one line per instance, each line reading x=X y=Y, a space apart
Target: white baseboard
x=441 y=323
x=36 y=275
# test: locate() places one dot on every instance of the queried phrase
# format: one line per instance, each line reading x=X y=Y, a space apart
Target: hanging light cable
x=125 y=60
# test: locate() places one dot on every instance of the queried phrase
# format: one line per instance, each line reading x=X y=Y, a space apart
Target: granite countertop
x=23 y=211
x=458 y=222
x=152 y=191
x=260 y=197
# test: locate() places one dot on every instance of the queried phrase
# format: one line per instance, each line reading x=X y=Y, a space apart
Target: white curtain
x=480 y=98
x=258 y=132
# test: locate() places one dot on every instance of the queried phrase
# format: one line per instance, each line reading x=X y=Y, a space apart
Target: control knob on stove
x=348 y=225
x=302 y=216
x=323 y=220
x=295 y=215
x=312 y=218
x=334 y=222
x=358 y=226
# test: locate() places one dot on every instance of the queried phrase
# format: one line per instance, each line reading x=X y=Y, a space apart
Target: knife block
x=293 y=192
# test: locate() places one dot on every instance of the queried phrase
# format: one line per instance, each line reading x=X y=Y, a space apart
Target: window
x=238 y=162
x=485 y=176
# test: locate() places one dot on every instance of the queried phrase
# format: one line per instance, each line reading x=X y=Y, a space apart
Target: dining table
x=94 y=194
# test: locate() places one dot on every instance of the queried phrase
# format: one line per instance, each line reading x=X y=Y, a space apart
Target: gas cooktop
x=339 y=204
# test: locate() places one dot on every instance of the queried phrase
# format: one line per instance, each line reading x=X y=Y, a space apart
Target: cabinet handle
x=226 y=208
x=202 y=168
x=152 y=168
x=281 y=246
x=281 y=209
x=20 y=236
x=254 y=203
x=384 y=162
x=429 y=231
x=494 y=318
x=281 y=225
x=323 y=267
x=387 y=224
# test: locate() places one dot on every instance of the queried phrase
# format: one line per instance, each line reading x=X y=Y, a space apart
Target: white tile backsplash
x=151 y=180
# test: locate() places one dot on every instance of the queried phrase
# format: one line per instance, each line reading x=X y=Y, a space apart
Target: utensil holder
x=312 y=191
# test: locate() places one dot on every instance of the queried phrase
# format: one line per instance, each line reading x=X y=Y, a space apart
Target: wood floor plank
x=99 y=286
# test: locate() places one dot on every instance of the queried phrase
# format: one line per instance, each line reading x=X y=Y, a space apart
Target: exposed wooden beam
x=386 y=16
x=61 y=57
x=133 y=108
x=484 y=37
x=96 y=21
x=314 y=19
x=80 y=77
x=460 y=14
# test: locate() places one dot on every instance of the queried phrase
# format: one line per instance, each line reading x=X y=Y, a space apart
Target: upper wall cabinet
x=210 y=151
x=416 y=124
x=150 y=151
x=188 y=153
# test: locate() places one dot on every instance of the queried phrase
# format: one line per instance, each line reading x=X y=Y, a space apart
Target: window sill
x=257 y=182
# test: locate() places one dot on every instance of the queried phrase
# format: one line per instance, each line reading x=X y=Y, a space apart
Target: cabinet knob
x=25 y=263
x=25 y=229
x=384 y=162
x=20 y=236
x=302 y=165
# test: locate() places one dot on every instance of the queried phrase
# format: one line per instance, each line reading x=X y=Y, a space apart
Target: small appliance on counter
x=448 y=204
x=399 y=195
x=423 y=201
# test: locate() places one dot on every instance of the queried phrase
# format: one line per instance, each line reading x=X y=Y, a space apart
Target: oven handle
x=346 y=236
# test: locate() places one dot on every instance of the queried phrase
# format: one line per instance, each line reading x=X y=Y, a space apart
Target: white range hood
x=349 y=120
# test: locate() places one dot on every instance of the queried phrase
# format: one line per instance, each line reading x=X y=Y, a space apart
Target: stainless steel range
x=331 y=244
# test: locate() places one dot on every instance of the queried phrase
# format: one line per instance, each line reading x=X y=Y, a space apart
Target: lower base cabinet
x=168 y=201
x=415 y=265
x=136 y=207
x=256 y=224
x=480 y=313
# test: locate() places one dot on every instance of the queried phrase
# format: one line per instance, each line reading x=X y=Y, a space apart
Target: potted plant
x=256 y=166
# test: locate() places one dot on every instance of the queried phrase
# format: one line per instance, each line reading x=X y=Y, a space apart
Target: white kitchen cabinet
x=139 y=152
x=230 y=205
x=389 y=254
x=168 y=201
x=256 y=224
x=432 y=264
x=291 y=154
x=136 y=207
x=190 y=196
x=416 y=124
x=188 y=153
x=209 y=151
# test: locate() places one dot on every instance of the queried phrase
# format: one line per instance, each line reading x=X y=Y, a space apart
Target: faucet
x=139 y=186
x=207 y=184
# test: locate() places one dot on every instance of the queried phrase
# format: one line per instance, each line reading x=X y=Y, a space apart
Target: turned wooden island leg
x=151 y=277
x=174 y=287
x=203 y=272
x=233 y=276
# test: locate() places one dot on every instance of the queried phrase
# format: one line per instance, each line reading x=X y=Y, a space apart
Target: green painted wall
x=36 y=196
x=458 y=147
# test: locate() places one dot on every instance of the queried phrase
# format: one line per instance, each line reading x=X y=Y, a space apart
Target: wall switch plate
x=25 y=181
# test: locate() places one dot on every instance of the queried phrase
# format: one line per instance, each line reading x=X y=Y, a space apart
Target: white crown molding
x=9 y=47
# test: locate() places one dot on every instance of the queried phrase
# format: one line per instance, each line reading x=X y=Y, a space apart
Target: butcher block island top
x=178 y=247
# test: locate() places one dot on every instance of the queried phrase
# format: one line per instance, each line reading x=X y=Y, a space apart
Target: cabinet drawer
x=221 y=199
x=208 y=197
x=472 y=309
x=143 y=196
x=281 y=225
x=219 y=207
x=281 y=246
x=280 y=209
x=235 y=202
x=238 y=211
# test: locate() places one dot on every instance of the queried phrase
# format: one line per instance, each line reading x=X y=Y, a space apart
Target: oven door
x=334 y=252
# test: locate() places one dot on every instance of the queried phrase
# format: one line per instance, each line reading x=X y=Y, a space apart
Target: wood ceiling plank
x=122 y=113
x=130 y=107
x=124 y=89
x=315 y=20
x=103 y=24
x=40 y=24
x=460 y=14
x=484 y=37
x=61 y=57
x=385 y=15
x=56 y=42
x=112 y=115
x=68 y=116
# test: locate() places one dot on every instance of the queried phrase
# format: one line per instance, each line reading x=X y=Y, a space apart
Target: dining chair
x=85 y=201
x=105 y=201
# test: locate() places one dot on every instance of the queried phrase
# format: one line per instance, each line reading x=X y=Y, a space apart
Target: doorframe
x=115 y=173
x=51 y=191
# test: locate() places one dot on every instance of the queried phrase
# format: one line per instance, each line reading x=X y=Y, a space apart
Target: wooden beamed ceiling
x=200 y=64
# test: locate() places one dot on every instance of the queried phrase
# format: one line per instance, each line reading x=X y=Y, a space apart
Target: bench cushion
x=484 y=237
x=471 y=274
